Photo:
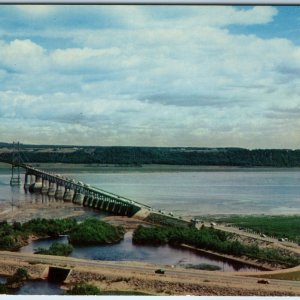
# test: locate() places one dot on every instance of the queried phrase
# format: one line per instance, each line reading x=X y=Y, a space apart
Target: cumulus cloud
x=164 y=76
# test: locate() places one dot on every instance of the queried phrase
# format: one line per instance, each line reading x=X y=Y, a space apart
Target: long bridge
x=68 y=189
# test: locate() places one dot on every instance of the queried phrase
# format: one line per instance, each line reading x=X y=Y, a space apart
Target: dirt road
x=141 y=276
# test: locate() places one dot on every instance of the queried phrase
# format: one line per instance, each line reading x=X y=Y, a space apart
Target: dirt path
x=134 y=276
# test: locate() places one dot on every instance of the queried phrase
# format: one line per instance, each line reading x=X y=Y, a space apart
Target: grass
x=277 y=226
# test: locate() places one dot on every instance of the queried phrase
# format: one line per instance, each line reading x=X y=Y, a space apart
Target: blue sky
x=213 y=76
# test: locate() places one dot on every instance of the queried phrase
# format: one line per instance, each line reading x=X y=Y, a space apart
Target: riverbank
x=263 y=265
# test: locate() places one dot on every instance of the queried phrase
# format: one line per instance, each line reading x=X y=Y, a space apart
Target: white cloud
x=181 y=80
x=22 y=56
x=36 y=10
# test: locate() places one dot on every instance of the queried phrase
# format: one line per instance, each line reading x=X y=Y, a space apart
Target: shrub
x=84 y=289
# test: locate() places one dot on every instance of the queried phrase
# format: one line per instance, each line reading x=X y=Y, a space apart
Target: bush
x=84 y=289
x=20 y=275
x=95 y=232
x=56 y=248
x=3 y=289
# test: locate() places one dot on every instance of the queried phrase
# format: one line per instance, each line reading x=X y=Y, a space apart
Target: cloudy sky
x=212 y=76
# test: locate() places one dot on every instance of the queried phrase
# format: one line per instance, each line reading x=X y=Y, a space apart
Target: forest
x=125 y=155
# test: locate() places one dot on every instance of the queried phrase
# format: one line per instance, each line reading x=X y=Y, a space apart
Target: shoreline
x=247 y=261
x=116 y=168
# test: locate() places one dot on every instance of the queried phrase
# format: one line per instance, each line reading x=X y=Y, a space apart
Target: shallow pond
x=127 y=251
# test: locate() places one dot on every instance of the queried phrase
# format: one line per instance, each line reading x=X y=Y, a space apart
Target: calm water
x=125 y=250
x=193 y=193
x=186 y=193
x=38 y=287
x=207 y=192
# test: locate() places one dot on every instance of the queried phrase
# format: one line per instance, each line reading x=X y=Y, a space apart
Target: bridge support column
x=68 y=195
x=37 y=186
x=51 y=190
x=32 y=182
x=85 y=200
x=59 y=193
x=45 y=186
x=78 y=198
x=26 y=183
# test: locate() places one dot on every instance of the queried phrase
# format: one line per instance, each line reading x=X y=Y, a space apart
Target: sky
x=199 y=76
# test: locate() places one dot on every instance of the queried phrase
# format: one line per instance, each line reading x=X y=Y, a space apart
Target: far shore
x=118 y=168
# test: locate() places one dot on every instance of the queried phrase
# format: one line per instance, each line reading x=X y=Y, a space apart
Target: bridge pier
x=68 y=195
x=85 y=200
x=37 y=186
x=26 y=183
x=95 y=202
x=52 y=189
x=59 y=193
x=45 y=186
x=78 y=198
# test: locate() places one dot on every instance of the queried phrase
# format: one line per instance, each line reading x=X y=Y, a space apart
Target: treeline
x=163 y=155
x=210 y=239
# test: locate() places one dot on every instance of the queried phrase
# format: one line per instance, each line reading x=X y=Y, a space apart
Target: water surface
x=191 y=193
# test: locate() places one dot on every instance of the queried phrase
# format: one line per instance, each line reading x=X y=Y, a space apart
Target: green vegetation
x=56 y=248
x=91 y=231
x=84 y=289
x=3 y=289
x=210 y=239
x=206 y=267
x=89 y=289
x=11 y=237
x=136 y=156
x=17 y=280
x=165 y=220
x=95 y=232
x=278 y=226
x=52 y=227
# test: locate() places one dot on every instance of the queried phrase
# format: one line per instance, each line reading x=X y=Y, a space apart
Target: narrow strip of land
x=182 y=278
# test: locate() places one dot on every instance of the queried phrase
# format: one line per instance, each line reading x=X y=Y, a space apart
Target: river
x=190 y=193
x=184 y=193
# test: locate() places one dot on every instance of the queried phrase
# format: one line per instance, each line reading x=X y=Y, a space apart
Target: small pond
x=127 y=251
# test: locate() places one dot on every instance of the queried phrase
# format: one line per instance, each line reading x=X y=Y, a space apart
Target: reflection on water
x=40 y=287
x=126 y=250
x=37 y=287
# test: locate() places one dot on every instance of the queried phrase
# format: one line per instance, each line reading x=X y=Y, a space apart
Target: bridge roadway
x=136 y=269
x=83 y=193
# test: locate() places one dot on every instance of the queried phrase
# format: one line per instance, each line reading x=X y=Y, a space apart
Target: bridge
x=68 y=189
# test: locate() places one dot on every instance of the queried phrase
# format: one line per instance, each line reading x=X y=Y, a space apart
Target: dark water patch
x=127 y=251
x=36 y=287
x=40 y=287
x=206 y=267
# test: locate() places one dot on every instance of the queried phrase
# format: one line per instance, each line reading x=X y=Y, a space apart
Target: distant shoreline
x=114 y=168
